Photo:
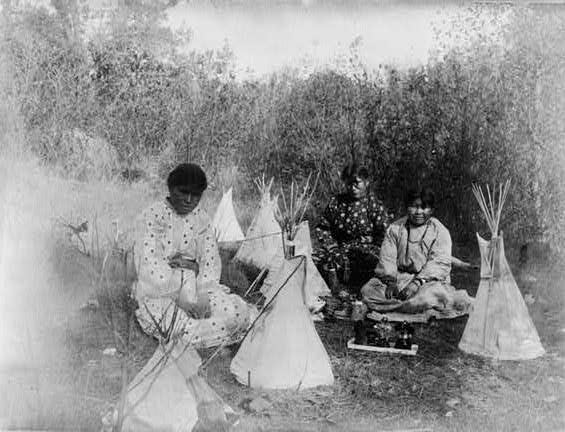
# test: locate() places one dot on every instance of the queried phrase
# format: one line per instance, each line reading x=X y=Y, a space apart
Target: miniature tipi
x=315 y=286
x=225 y=223
x=168 y=394
x=282 y=349
x=263 y=239
x=499 y=325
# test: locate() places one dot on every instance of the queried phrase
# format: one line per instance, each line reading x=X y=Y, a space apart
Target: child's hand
x=410 y=291
x=391 y=291
x=183 y=262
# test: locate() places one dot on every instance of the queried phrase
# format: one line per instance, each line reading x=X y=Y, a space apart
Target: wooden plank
x=411 y=352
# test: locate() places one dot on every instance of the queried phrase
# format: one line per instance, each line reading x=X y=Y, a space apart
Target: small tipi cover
x=169 y=395
x=499 y=325
x=263 y=240
x=225 y=223
x=315 y=286
x=283 y=350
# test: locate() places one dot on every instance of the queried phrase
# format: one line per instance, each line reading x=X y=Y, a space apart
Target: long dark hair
x=425 y=194
x=188 y=175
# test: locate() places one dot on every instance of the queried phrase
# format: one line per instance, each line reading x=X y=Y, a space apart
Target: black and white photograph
x=282 y=215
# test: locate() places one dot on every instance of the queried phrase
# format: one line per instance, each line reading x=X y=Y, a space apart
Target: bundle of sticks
x=293 y=209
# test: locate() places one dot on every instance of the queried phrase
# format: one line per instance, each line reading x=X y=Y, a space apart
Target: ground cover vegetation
x=118 y=104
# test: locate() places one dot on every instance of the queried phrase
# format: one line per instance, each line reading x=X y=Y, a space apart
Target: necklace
x=419 y=242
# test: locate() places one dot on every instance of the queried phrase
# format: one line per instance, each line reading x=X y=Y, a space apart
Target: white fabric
x=315 y=286
x=225 y=223
x=263 y=240
x=230 y=316
x=165 y=395
x=499 y=325
x=161 y=234
x=283 y=349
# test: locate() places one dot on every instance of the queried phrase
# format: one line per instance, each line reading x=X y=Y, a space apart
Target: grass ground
x=440 y=389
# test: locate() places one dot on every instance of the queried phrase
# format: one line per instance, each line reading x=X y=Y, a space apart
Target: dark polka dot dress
x=351 y=230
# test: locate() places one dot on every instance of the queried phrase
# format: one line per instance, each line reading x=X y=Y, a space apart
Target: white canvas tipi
x=283 y=350
x=169 y=395
x=263 y=240
x=225 y=223
x=315 y=286
x=499 y=325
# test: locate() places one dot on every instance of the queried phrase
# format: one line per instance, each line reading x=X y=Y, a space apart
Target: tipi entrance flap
x=484 y=249
x=283 y=349
x=490 y=259
x=499 y=325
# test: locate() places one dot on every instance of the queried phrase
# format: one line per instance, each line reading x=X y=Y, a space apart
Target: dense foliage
x=138 y=101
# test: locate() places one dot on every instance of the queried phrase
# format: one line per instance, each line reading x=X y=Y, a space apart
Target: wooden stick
x=256 y=281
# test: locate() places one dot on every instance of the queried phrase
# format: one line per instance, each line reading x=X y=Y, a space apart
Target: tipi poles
x=256 y=282
x=491 y=207
x=490 y=286
x=303 y=292
x=293 y=210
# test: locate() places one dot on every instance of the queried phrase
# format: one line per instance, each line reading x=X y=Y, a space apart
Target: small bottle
x=333 y=282
x=357 y=313
x=346 y=270
x=360 y=332
x=404 y=340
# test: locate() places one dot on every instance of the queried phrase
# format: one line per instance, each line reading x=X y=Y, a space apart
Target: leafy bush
x=484 y=112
